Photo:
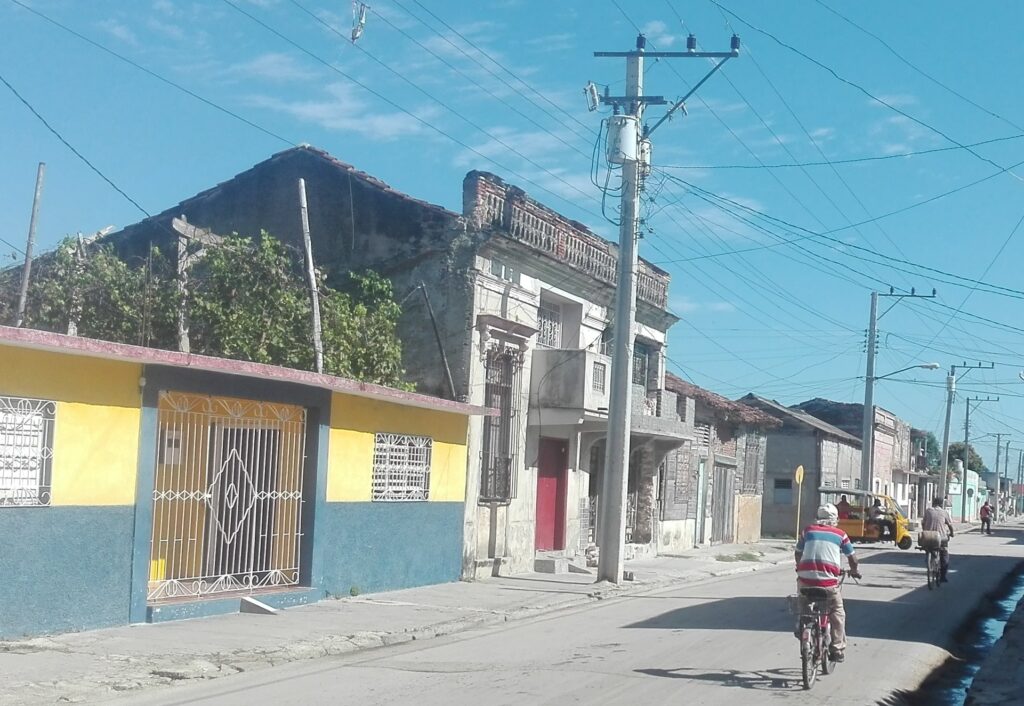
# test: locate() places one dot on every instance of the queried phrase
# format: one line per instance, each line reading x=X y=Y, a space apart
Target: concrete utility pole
x=632 y=146
x=26 y=271
x=967 y=453
x=999 y=447
x=950 y=392
x=314 y=292
x=867 y=445
x=1006 y=471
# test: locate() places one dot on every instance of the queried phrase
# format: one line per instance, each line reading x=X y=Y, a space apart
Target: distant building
x=830 y=458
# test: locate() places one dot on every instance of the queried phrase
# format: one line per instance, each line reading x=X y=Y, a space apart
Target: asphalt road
x=725 y=641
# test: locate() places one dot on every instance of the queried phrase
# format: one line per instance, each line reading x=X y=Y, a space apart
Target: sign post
x=799 y=478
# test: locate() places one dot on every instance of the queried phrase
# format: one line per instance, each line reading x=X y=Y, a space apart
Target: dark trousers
x=986 y=525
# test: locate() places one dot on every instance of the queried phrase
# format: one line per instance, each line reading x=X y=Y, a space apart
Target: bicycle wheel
x=828 y=665
x=929 y=563
x=935 y=568
x=808 y=658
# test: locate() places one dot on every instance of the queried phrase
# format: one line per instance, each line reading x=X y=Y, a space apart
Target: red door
x=551 y=487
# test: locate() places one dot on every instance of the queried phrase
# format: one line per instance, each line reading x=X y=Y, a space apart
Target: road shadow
x=776 y=680
x=878 y=619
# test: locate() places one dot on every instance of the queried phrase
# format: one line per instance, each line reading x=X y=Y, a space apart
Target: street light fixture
x=868 y=424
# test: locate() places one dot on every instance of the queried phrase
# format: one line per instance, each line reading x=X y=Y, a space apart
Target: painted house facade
x=506 y=305
x=830 y=458
x=711 y=487
x=147 y=485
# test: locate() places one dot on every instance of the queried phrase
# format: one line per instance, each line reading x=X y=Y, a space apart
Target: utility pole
x=967 y=453
x=999 y=447
x=632 y=149
x=314 y=293
x=1006 y=471
x=867 y=445
x=950 y=392
x=26 y=271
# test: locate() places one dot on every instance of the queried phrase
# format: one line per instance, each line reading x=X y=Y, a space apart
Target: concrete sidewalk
x=97 y=665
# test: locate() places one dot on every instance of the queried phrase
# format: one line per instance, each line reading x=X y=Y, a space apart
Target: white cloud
x=553 y=42
x=272 y=66
x=823 y=134
x=119 y=31
x=168 y=29
x=897 y=100
x=657 y=32
x=343 y=110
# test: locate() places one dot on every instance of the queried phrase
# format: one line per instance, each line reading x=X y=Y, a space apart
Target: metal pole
x=967 y=456
x=314 y=294
x=1006 y=471
x=950 y=392
x=867 y=432
x=613 y=481
x=26 y=271
x=998 y=449
x=440 y=344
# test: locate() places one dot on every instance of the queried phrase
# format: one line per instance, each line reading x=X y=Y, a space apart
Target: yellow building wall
x=96 y=429
x=355 y=420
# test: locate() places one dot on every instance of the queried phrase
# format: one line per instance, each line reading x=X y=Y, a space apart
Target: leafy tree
x=246 y=299
x=103 y=296
x=932 y=451
x=956 y=451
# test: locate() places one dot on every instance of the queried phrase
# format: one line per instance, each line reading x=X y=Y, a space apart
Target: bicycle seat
x=817 y=594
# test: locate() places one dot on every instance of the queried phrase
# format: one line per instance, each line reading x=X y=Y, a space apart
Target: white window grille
x=26 y=451
x=856 y=483
x=600 y=370
x=844 y=484
x=549 y=325
x=401 y=467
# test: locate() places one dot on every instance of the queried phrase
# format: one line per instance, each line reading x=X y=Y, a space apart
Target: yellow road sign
x=799 y=475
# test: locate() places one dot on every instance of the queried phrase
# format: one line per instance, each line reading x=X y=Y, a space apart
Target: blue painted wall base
x=64 y=569
x=374 y=547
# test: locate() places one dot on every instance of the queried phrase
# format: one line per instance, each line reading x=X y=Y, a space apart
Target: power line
x=71 y=147
x=158 y=77
x=881 y=101
x=380 y=96
x=589 y=130
x=840 y=162
x=918 y=69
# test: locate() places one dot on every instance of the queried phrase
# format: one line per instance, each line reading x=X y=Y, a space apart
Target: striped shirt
x=821 y=550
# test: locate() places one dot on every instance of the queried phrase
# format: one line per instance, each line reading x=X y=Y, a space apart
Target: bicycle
x=931 y=544
x=816 y=632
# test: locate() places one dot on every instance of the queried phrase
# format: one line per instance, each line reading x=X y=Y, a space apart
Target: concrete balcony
x=526 y=221
x=570 y=387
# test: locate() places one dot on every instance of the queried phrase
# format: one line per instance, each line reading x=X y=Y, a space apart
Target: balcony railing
x=528 y=222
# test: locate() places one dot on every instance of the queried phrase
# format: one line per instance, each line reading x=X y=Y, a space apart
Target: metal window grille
x=600 y=370
x=641 y=359
x=401 y=467
x=844 y=484
x=607 y=343
x=227 y=498
x=26 y=451
x=703 y=433
x=856 y=483
x=752 y=464
x=502 y=369
x=549 y=325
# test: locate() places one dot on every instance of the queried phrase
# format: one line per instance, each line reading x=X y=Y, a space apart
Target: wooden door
x=551 y=494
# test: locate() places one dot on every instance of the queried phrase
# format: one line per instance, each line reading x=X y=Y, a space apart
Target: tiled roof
x=736 y=411
x=781 y=411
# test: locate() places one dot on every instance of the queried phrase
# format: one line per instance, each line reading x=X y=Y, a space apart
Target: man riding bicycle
x=819 y=555
x=936 y=519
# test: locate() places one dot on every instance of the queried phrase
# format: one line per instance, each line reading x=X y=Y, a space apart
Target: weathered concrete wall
x=676 y=536
x=787 y=450
x=748 y=519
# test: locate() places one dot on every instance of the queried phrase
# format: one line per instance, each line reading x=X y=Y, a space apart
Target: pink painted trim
x=73 y=345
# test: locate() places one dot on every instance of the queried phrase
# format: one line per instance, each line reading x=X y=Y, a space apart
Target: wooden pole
x=26 y=271
x=314 y=295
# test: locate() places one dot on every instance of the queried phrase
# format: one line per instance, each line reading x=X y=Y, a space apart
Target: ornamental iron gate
x=227 y=501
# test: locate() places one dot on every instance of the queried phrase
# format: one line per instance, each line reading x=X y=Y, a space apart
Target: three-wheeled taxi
x=855 y=519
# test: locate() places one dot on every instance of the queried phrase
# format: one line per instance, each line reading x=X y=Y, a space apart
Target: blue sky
x=497 y=85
